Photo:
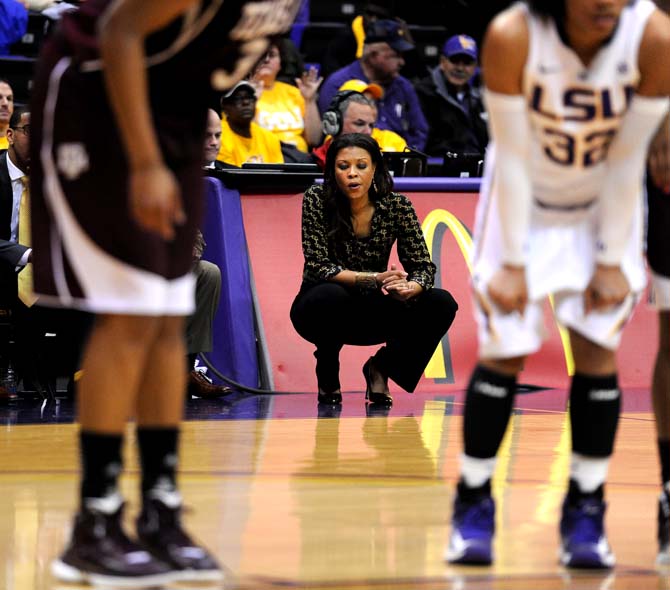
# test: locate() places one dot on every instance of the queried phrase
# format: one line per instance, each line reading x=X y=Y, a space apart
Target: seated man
x=207 y=287
x=389 y=141
x=242 y=140
x=355 y=112
x=6 y=110
x=453 y=107
x=380 y=63
x=30 y=322
x=199 y=325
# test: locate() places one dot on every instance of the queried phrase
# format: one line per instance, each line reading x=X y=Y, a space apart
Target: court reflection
x=369 y=499
x=586 y=580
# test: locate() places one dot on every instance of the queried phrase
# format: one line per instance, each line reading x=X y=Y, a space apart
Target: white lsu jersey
x=575 y=111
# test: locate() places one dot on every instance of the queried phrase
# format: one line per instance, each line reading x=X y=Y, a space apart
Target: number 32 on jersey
x=582 y=135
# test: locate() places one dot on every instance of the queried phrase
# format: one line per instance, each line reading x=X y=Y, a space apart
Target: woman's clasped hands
x=394 y=282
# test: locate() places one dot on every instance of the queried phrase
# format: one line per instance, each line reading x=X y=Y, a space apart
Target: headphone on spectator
x=331 y=122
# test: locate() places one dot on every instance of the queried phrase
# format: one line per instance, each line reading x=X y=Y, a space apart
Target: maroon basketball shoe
x=101 y=554
x=160 y=531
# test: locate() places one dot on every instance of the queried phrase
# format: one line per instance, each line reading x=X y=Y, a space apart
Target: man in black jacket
x=453 y=107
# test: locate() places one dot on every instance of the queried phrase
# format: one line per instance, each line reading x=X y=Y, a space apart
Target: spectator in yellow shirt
x=289 y=112
x=242 y=140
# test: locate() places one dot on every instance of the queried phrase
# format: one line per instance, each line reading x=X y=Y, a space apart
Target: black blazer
x=10 y=252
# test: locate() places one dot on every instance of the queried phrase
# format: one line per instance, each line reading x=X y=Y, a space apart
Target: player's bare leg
x=160 y=408
x=99 y=551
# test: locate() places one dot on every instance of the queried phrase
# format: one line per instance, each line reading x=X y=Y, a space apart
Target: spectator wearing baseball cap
x=242 y=140
x=348 y=43
x=461 y=45
x=389 y=31
x=389 y=141
x=371 y=90
x=399 y=108
x=354 y=110
x=451 y=104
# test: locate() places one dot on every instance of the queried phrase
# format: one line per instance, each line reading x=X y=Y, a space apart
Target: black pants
x=40 y=358
x=331 y=315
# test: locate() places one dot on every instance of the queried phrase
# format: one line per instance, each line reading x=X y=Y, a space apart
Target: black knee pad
x=595 y=403
x=488 y=406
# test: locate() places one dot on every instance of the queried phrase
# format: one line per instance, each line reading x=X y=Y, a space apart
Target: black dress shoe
x=6 y=395
x=374 y=397
x=330 y=399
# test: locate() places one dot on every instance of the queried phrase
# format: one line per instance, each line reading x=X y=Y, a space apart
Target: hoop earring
x=374 y=186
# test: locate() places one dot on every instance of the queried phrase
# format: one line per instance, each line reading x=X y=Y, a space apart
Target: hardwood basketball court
x=290 y=496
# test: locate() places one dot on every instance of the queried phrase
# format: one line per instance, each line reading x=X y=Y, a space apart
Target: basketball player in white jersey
x=575 y=91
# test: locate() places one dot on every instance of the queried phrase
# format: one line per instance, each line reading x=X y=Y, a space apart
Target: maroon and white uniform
x=88 y=252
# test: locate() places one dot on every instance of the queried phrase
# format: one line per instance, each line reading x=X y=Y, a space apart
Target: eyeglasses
x=24 y=128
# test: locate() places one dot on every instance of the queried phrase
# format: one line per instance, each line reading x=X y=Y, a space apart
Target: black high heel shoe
x=374 y=397
x=331 y=399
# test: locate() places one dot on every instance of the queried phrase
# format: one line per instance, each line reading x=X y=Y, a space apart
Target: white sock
x=165 y=491
x=106 y=505
x=476 y=472
x=589 y=472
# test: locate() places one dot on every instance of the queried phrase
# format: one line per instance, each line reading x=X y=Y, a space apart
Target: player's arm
x=155 y=200
x=627 y=153
x=626 y=162
x=503 y=59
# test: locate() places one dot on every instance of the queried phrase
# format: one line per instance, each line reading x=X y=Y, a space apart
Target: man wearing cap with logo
x=453 y=107
x=399 y=109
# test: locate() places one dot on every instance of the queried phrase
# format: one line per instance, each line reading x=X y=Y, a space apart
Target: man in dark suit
x=14 y=166
x=30 y=323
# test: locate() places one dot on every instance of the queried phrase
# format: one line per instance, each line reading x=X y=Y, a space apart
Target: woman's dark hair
x=292 y=64
x=338 y=208
x=549 y=8
x=15 y=119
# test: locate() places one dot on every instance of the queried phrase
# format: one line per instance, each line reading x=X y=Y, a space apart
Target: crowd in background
x=422 y=94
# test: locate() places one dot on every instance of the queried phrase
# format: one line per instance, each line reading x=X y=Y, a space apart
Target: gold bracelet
x=366 y=280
